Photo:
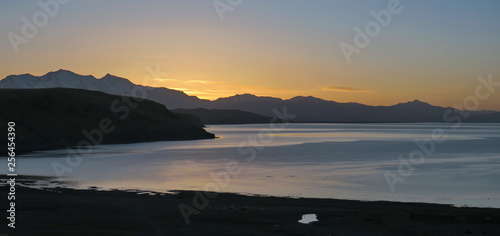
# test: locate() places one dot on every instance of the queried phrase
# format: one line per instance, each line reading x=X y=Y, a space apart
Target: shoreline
x=65 y=211
x=54 y=147
x=51 y=182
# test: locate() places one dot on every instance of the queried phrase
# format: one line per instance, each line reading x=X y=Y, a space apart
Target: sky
x=433 y=51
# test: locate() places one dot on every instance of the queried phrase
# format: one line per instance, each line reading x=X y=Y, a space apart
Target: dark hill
x=59 y=117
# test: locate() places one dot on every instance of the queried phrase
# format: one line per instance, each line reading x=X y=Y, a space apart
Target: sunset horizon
x=164 y=77
x=269 y=48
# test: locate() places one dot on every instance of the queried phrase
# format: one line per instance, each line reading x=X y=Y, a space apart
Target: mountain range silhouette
x=306 y=108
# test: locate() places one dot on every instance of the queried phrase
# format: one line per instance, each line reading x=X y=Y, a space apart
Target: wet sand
x=64 y=211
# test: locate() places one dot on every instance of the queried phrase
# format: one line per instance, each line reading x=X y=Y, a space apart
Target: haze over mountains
x=306 y=109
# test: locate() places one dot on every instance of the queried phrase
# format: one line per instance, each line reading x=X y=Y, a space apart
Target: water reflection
x=305 y=160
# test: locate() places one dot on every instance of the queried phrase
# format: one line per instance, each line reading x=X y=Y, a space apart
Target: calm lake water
x=345 y=161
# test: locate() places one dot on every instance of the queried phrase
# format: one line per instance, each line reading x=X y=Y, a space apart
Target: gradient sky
x=432 y=51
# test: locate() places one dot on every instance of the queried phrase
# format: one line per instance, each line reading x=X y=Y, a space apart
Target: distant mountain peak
x=248 y=98
x=415 y=104
x=418 y=101
x=108 y=75
x=307 y=99
x=303 y=97
x=61 y=72
x=18 y=76
x=247 y=95
x=116 y=80
x=241 y=97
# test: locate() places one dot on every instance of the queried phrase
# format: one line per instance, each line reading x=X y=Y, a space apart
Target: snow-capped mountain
x=67 y=79
x=108 y=84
